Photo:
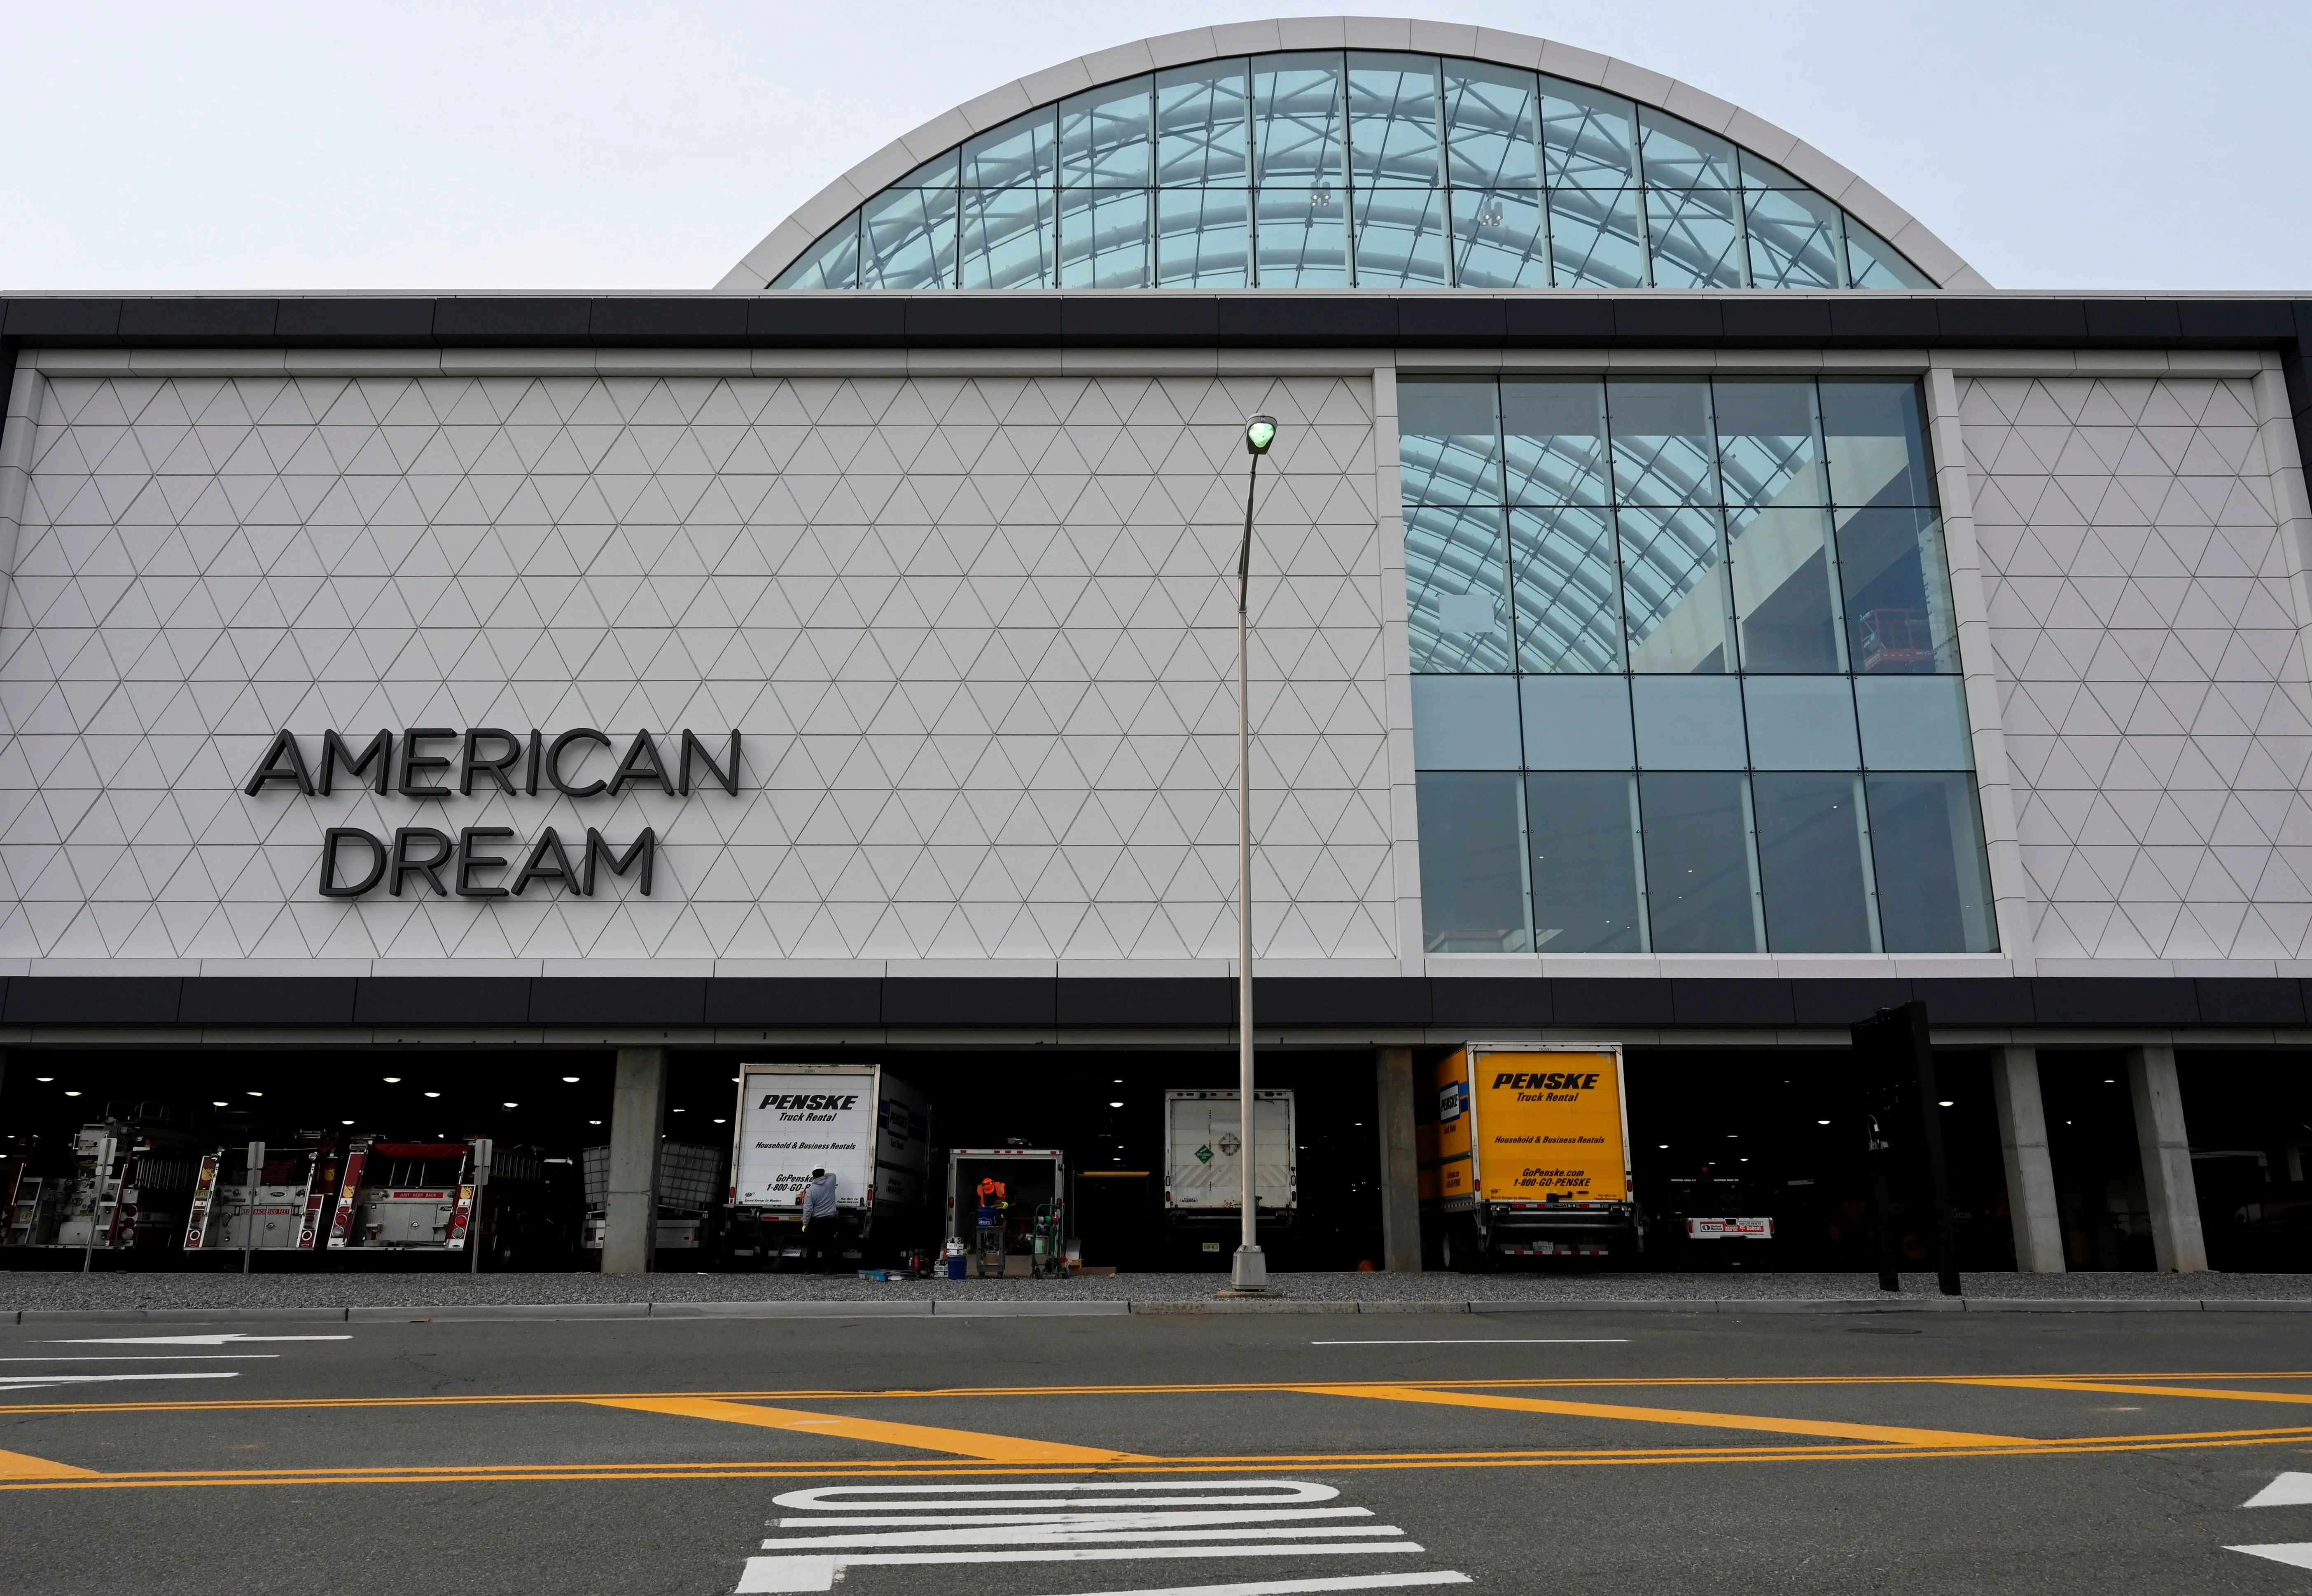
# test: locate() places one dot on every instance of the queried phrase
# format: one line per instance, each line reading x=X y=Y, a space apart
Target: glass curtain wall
x=1349 y=169
x=1686 y=672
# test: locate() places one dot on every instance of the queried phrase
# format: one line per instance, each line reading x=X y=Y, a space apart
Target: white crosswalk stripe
x=849 y=1527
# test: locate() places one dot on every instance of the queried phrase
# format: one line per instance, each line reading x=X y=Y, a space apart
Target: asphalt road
x=1527 y=1453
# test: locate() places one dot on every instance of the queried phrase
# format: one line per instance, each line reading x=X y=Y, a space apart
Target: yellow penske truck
x=1525 y=1153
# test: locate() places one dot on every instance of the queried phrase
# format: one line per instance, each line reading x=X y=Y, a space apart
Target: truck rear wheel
x=1462 y=1252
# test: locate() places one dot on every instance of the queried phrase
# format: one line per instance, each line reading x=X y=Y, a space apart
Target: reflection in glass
x=1204 y=237
x=1501 y=240
x=1575 y=722
x=1297 y=120
x=1785 y=590
x=1303 y=238
x=1202 y=130
x=1456 y=590
x=1007 y=236
x=1401 y=238
x=1555 y=441
x=1769 y=447
x=1107 y=138
x=1674 y=592
x=1680 y=156
x=1589 y=138
x=1800 y=722
x=1448 y=438
x=1689 y=723
x=1810 y=861
x=1561 y=570
x=1466 y=723
x=1103 y=239
x=1934 y=881
x=1492 y=136
x=833 y=262
x=1698 y=237
x=1871 y=262
x=1395 y=120
x=1663 y=447
x=1581 y=836
x=907 y=239
x=1700 y=894
x=1793 y=241
x=1897 y=587
x=1877 y=444
x=1023 y=152
x=1471 y=863
x=1597 y=238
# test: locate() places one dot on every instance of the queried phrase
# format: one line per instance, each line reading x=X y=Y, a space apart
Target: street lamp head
x=1259 y=433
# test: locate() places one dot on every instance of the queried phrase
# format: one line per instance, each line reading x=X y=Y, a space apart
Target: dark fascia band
x=1055 y=320
x=1478 y=1006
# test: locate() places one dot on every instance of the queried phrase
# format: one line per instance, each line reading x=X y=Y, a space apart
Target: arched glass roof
x=1348 y=169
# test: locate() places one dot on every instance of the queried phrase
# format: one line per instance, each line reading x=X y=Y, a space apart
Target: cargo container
x=690 y=1186
x=1526 y=1155
x=1203 y=1171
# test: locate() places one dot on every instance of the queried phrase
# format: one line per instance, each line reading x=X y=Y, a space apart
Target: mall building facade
x=1692 y=609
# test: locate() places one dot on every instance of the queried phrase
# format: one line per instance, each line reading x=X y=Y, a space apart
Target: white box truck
x=868 y=1129
x=1203 y=1171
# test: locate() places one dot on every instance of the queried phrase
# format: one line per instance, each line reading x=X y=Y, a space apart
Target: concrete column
x=1400 y=1171
x=2166 y=1148
x=2030 y=1175
x=638 y=1106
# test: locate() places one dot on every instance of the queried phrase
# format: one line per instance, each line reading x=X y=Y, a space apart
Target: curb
x=1116 y=1306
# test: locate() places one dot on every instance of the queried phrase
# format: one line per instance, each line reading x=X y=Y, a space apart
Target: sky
x=2055 y=145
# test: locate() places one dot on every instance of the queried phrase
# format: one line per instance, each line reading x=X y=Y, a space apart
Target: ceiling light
x=256 y=1094
x=675 y=1111
x=509 y=1105
x=722 y=1122
x=432 y=1094
x=71 y=1094
x=1115 y=1105
x=1665 y=1146
x=1822 y=1122
x=393 y=1079
x=593 y=1122
x=44 y=1077
x=345 y=1122
x=218 y=1102
x=1944 y=1103
x=569 y=1080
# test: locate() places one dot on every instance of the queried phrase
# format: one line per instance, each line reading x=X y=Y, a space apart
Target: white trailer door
x=793 y=1121
x=1207 y=1152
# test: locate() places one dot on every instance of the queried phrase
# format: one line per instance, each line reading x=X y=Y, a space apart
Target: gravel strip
x=29 y=1290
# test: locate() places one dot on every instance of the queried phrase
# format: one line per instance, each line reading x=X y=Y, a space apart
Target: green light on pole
x=1259 y=433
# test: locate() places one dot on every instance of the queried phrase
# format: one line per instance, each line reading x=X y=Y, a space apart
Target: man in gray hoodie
x=819 y=1225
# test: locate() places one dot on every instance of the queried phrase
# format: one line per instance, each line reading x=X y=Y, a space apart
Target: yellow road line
x=965 y=1444
x=1838 y=1428
x=516 y=1474
x=16 y=1465
x=2028 y=1383
x=300 y=1404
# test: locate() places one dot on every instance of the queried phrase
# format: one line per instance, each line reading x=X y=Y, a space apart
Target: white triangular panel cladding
x=2153 y=689
x=978 y=634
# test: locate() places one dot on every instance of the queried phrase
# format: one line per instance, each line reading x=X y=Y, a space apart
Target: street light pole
x=1249 y=1275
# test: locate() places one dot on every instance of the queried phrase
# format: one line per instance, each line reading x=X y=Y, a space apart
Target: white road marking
x=2286 y=1490
x=142 y=1357
x=1482 y=1341
x=180 y=1340
x=26 y=1382
x=2295 y=1553
x=1281 y=1587
x=808 y=1573
x=1065 y=1522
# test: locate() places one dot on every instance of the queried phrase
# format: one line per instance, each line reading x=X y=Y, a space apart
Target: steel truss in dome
x=1342 y=169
